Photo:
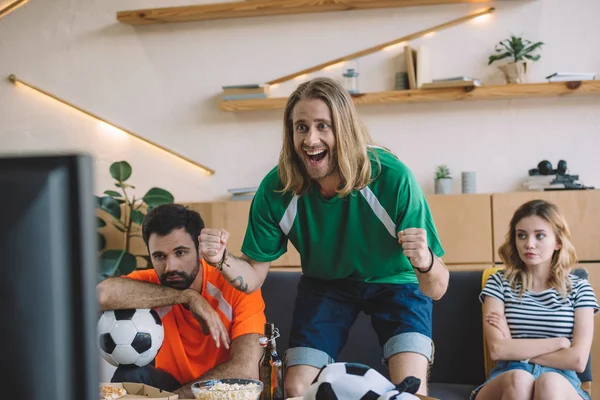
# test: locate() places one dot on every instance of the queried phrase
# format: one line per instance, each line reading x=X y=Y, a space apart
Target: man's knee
x=403 y=365
x=147 y=375
x=131 y=374
x=298 y=378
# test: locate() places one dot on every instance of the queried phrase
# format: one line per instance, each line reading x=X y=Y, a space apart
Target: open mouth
x=315 y=156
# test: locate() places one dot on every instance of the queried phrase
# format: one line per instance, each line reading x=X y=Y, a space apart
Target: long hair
x=563 y=260
x=351 y=137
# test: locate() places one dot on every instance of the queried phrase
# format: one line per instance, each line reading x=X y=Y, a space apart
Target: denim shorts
x=536 y=371
x=325 y=311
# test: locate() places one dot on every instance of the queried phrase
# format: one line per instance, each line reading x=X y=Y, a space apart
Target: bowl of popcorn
x=227 y=389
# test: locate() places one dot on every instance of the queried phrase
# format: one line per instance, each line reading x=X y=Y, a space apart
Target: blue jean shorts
x=325 y=311
x=536 y=371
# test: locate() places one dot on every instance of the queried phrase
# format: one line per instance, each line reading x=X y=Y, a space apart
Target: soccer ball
x=348 y=381
x=130 y=337
x=352 y=381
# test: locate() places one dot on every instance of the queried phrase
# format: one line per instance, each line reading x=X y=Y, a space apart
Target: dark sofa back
x=457 y=328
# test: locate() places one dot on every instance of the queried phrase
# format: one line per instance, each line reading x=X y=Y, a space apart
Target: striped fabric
x=540 y=315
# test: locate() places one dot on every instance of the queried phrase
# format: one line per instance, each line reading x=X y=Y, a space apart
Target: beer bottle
x=270 y=366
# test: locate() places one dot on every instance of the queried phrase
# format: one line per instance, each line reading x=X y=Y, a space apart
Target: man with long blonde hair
x=362 y=227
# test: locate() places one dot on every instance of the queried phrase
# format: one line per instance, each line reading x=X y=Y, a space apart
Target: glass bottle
x=351 y=80
x=270 y=367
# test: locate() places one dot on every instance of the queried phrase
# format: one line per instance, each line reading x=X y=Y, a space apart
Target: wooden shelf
x=498 y=92
x=245 y=9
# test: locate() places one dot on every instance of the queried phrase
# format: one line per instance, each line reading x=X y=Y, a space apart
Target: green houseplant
x=126 y=214
x=443 y=180
x=520 y=50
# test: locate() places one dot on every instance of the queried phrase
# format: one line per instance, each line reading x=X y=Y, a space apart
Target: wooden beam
x=18 y=81
x=497 y=92
x=380 y=47
x=245 y=9
x=11 y=7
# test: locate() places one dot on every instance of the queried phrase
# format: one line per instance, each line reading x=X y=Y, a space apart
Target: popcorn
x=228 y=391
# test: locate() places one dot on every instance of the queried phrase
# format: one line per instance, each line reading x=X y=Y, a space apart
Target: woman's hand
x=499 y=322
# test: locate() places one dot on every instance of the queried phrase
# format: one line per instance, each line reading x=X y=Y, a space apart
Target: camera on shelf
x=560 y=174
x=545 y=168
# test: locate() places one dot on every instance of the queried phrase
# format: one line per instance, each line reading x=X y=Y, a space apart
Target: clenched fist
x=212 y=244
x=414 y=245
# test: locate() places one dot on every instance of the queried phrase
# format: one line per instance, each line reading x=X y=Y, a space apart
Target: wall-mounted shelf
x=245 y=9
x=497 y=92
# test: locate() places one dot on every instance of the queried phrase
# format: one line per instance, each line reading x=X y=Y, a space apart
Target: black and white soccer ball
x=352 y=381
x=130 y=337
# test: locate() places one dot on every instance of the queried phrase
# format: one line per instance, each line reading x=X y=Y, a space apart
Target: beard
x=321 y=171
x=186 y=279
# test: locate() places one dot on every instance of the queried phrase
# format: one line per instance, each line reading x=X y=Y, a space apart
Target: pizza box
x=139 y=391
x=418 y=395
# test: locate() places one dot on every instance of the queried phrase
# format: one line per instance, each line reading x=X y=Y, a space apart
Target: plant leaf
x=111 y=206
x=157 y=196
x=100 y=222
x=113 y=194
x=124 y=185
x=101 y=242
x=137 y=217
x=532 y=58
x=532 y=48
x=497 y=57
x=113 y=262
x=120 y=170
x=128 y=264
x=119 y=228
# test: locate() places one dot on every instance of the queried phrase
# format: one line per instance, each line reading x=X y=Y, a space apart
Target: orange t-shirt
x=187 y=353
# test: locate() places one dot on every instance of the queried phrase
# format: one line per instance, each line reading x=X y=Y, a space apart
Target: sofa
x=458 y=365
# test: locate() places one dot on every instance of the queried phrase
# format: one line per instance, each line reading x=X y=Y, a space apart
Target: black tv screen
x=48 y=261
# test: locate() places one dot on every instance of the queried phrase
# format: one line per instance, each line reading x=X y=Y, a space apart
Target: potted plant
x=520 y=50
x=443 y=180
x=126 y=214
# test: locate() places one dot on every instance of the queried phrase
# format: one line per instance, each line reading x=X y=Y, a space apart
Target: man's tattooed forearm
x=239 y=284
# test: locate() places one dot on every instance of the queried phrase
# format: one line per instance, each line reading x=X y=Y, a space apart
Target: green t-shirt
x=351 y=237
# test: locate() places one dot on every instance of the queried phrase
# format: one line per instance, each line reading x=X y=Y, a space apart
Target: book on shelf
x=423 y=66
x=239 y=197
x=244 y=193
x=410 y=58
x=571 y=76
x=245 y=190
x=248 y=91
x=247 y=86
x=454 y=78
x=244 y=96
x=451 y=84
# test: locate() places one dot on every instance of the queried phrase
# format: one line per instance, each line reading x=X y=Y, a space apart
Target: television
x=48 y=248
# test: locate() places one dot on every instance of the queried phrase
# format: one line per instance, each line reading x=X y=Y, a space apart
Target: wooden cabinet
x=580 y=208
x=464 y=224
x=471 y=226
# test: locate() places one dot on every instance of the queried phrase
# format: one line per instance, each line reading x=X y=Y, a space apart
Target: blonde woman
x=538 y=317
x=364 y=232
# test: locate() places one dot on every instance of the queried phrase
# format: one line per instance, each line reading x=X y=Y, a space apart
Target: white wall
x=163 y=81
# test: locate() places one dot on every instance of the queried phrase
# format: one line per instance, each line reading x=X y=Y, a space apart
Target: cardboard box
x=418 y=395
x=139 y=391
